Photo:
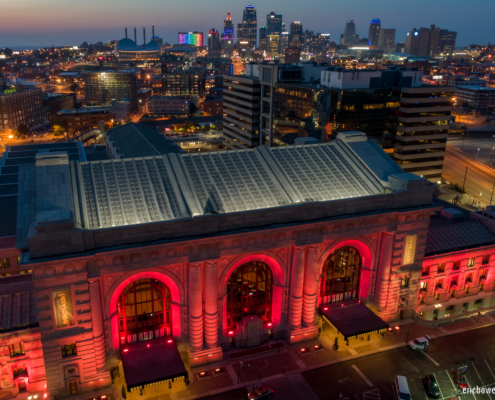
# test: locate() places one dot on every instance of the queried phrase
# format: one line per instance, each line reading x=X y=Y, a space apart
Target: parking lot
x=371 y=377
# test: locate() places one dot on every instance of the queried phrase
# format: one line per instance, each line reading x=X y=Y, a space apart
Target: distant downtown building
x=193 y=38
x=187 y=83
x=431 y=42
x=296 y=34
x=21 y=107
x=386 y=40
x=247 y=29
x=350 y=36
x=101 y=87
x=213 y=43
x=374 y=32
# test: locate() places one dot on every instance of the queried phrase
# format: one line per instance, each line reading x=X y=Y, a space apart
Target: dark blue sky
x=57 y=22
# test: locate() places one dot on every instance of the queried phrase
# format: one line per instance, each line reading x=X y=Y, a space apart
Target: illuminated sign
x=410 y=249
x=62 y=308
x=416 y=33
x=194 y=38
x=437 y=76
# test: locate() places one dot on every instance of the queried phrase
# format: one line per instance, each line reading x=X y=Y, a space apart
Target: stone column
x=98 y=331
x=296 y=289
x=310 y=286
x=383 y=278
x=211 y=305
x=195 y=308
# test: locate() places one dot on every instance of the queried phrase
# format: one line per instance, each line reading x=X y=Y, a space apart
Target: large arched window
x=144 y=311
x=249 y=291
x=340 y=275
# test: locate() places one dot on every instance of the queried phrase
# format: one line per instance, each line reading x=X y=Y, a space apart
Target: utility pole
x=464 y=183
x=491 y=198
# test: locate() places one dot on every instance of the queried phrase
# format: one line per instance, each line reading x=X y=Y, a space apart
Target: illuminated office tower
x=247 y=30
x=386 y=40
x=350 y=36
x=263 y=31
x=274 y=27
x=296 y=34
x=213 y=43
x=227 y=40
x=374 y=32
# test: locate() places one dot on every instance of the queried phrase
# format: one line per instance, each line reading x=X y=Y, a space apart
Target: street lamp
x=477 y=154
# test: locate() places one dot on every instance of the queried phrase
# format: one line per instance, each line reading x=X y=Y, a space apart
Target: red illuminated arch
x=176 y=295
x=364 y=247
x=274 y=263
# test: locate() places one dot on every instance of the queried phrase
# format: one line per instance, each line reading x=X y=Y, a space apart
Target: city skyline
x=45 y=26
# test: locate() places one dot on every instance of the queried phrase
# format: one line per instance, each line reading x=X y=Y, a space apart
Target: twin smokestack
x=144 y=33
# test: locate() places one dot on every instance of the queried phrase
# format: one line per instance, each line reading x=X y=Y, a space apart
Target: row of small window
x=17 y=349
x=457 y=265
x=454 y=280
x=467 y=290
x=450 y=309
x=28 y=271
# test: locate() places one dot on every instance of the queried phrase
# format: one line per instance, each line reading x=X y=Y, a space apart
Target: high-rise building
x=418 y=128
x=316 y=44
x=272 y=44
x=195 y=38
x=296 y=34
x=374 y=32
x=227 y=40
x=350 y=36
x=274 y=23
x=386 y=40
x=188 y=83
x=431 y=42
x=21 y=107
x=213 y=43
x=241 y=108
x=263 y=31
x=101 y=87
x=284 y=42
x=292 y=55
x=247 y=30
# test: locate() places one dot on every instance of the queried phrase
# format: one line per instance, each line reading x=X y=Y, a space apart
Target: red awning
x=151 y=361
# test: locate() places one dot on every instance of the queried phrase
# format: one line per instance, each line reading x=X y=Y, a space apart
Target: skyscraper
x=195 y=38
x=262 y=38
x=227 y=41
x=296 y=34
x=247 y=30
x=386 y=40
x=213 y=43
x=350 y=36
x=430 y=42
x=274 y=28
x=374 y=32
x=447 y=41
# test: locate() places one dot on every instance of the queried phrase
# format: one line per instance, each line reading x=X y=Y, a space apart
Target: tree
x=58 y=127
x=73 y=87
x=188 y=126
x=124 y=392
x=192 y=108
x=22 y=130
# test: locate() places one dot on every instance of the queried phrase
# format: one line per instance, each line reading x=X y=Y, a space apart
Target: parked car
x=264 y=392
x=431 y=386
x=420 y=343
x=459 y=380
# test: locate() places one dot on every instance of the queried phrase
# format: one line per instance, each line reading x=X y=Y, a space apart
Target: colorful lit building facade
x=193 y=38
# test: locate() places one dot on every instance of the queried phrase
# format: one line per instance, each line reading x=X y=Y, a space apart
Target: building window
x=452 y=293
x=471 y=262
x=19 y=369
x=6 y=263
x=422 y=300
x=441 y=268
x=486 y=259
x=69 y=350
x=454 y=281
x=483 y=274
x=16 y=349
x=249 y=292
x=426 y=271
x=469 y=278
x=340 y=273
x=449 y=310
x=423 y=286
x=439 y=284
x=421 y=313
x=404 y=283
x=482 y=287
x=467 y=290
x=437 y=296
x=457 y=265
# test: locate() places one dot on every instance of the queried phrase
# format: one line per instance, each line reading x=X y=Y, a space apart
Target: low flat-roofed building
x=137 y=140
x=83 y=118
x=476 y=96
x=170 y=105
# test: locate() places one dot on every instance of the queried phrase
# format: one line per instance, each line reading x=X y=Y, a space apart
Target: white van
x=401 y=388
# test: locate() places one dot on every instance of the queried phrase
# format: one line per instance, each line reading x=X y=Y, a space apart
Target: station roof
x=151 y=189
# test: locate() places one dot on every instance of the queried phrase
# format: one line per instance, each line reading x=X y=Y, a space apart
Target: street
x=371 y=377
x=479 y=179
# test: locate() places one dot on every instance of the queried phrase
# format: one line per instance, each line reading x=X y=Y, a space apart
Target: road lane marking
x=451 y=380
x=362 y=375
x=479 y=376
x=372 y=395
x=469 y=385
x=409 y=363
x=489 y=368
x=431 y=359
x=441 y=394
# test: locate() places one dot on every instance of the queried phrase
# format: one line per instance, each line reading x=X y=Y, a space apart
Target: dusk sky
x=47 y=22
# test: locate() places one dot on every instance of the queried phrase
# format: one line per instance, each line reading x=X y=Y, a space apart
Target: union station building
x=184 y=257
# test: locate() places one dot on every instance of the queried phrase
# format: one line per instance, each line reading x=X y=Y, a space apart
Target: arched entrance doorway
x=249 y=292
x=144 y=311
x=339 y=278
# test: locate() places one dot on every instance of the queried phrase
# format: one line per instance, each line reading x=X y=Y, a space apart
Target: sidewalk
x=289 y=362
